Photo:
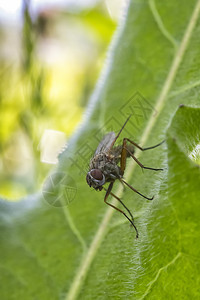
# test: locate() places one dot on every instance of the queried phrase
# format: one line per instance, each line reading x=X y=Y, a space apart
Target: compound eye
x=95 y=178
x=88 y=179
x=97 y=174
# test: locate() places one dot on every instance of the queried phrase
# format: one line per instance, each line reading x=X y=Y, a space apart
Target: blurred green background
x=50 y=59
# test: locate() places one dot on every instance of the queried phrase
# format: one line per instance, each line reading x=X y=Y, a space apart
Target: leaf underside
x=65 y=242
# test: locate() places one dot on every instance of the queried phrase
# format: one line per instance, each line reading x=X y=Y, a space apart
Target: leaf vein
x=161 y=25
x=151 y=283
x=185 y=88
x=73 y=228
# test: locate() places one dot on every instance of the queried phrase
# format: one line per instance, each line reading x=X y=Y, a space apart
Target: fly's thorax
x=99 y=160
x=107 y=164
x=111 y=171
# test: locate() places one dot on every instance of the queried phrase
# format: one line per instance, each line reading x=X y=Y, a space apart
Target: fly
x=109 y=163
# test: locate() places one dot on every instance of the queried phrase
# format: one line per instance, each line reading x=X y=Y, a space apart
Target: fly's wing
x=105 y=143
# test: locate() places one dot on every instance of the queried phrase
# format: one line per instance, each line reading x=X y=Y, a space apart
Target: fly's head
x=96 y=179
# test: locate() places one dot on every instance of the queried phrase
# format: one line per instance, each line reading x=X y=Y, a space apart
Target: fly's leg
x=140 y=164
x=143 y=149
x=123 y=157
x=134 y=190
x=125 y=150
x=108 y=192
x=121 y=204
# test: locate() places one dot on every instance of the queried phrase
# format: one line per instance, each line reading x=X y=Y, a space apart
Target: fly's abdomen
x=116 y=151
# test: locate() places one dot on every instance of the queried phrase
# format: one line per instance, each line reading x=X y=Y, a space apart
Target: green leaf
x=76 y=246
